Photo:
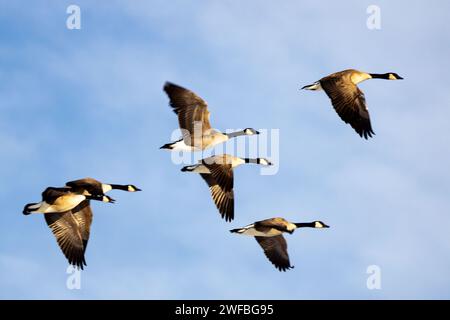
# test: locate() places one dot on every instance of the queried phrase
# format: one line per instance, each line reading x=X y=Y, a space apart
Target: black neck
x=235 y=134
x=256 y=161
x=305 y=225
x=119 y=187
x=379 y=75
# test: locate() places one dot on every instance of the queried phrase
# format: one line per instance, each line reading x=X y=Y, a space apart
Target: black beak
x=325 y=226
x=257 y=132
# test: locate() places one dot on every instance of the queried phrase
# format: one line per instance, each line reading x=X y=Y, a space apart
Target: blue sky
x=89 y=102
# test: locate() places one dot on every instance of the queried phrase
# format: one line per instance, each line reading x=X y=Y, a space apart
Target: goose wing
x=349 y=102
x=275 y=223
x=275 y=249
x=83 y=216
x=192 y=111
x=71 y=230
x=220 y=182
x=51 y=193
x=91 y=185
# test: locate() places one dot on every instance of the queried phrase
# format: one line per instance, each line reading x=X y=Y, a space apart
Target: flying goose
x=217 y=171
x=347 y=99
x=269 y=234
x=60 y=200
x=68 y=213
x=94 y=187
x=193 y=118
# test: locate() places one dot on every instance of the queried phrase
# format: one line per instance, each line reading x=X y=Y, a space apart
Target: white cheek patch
x=318 y=225
x=392 y=77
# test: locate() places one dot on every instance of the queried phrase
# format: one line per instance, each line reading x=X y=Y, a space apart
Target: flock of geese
x=68 y=212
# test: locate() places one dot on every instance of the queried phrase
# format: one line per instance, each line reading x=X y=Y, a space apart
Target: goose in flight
x=193 y=118
x=269 y=234
x=60 y=200
x=69 y=217
x=68 y=214
x=217 y=171
x=94 y=187
x=347 y=99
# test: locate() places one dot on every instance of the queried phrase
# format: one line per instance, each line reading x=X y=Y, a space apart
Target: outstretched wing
x=350 y=104
x=83 y=216
x=93 y=186
x=220 y=182
x=275 y=249
x=192 y=111
x=275 y=223
x=71 y=230
x=52 y=193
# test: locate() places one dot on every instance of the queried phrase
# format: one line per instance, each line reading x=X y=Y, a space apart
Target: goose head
x=264 y=162
x=107 y=199
x=394 y=76
x=250 y=131
x=132 y=188
x=320 y=224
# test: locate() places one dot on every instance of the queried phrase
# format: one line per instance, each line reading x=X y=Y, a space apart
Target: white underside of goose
x=69 y=203
x=251 y=231
x=181 y=146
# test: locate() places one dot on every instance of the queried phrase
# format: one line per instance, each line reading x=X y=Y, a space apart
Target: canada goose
x=71 y=230
x=90 y=186
x=193 y=118
x=269 y=234
x=347 y=99
x=60 y=200
x=217 y=171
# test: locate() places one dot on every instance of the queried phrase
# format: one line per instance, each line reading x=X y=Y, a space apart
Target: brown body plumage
x=269 y=235
x=347 y=99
